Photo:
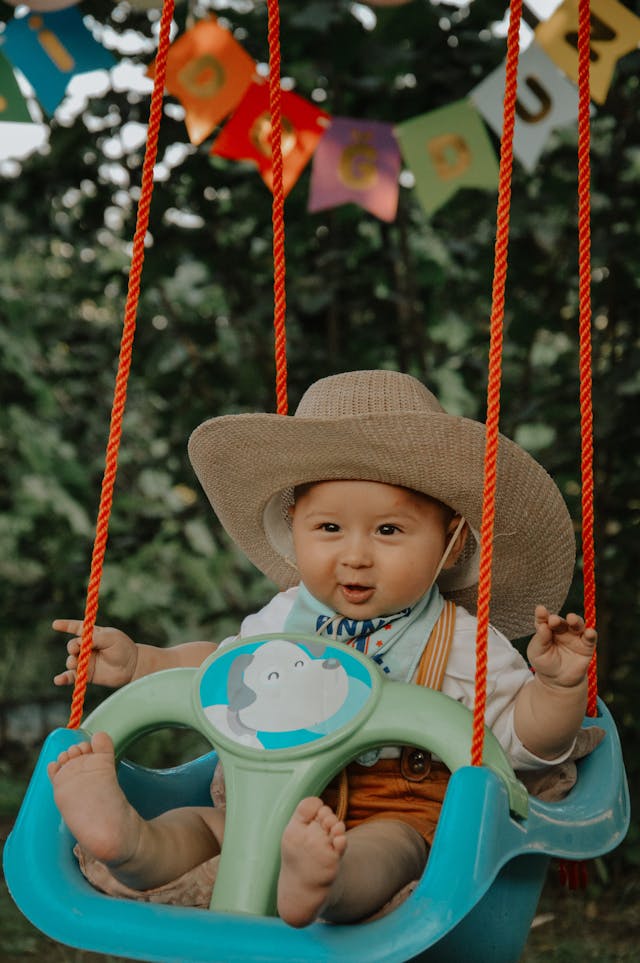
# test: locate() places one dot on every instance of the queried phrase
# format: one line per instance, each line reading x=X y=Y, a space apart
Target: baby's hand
x=113 y=658
x=562 y=648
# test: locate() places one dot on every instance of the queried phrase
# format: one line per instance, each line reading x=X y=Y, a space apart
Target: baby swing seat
x=480 y=889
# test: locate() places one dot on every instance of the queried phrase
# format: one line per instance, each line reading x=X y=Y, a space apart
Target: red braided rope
x=494 y=379
x=124 y=366
x=584 y=273
x=279 y=295
x=574 y=874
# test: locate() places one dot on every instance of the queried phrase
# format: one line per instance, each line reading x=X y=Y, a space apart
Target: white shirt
x=507 y=673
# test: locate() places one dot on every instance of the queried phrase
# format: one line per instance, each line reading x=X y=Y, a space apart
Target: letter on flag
x=545 y=100
x=13 y=106
x=447 y=149
x=615 y=31
x=209 y=72
x=247 y=134
x=50 y=48
x=356 y=161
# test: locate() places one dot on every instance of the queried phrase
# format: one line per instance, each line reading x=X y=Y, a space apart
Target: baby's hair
x=300 y=490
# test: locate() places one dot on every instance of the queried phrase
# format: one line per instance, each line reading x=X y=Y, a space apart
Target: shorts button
x=419 y=761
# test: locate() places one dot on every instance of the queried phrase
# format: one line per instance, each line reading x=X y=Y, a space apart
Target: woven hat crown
x=366 y=393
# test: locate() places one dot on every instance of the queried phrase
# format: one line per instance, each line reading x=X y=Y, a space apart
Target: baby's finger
x=558 y=624
x=64 y=678
x=67 y=625
x=575 y=623
x=72 y=662
x=73 y=646
x=541 y=614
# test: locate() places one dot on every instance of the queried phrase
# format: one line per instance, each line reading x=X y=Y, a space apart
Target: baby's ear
x=459 y=532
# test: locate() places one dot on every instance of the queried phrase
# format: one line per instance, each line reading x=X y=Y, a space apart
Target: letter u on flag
x=448 y=149
x=50 y=48
x=356 y=161
x=545 y=101
x=247 y=135
x=209 y=72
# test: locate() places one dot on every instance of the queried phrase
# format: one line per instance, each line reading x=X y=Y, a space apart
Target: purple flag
x=356 y=161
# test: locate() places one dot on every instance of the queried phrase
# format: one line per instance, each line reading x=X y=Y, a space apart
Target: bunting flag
x=615 y=31
x=546 y=100
x=13 y=106
x=448 y=149
x=209 y=72
x=356 y=161
x=247 y=135
x=50 y=48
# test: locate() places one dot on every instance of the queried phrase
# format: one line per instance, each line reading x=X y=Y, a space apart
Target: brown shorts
x=410 y=788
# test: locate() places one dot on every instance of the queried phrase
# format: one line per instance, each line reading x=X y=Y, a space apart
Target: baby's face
x=367 y=549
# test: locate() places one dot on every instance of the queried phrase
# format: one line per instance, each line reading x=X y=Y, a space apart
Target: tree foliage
x=413 y=295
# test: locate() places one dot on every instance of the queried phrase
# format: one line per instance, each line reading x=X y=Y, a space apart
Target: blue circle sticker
x=277 y=693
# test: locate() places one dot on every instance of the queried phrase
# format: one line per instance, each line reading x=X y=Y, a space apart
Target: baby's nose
x=357 y=553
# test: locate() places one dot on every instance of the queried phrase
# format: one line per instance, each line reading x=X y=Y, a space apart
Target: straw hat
x=387 y=427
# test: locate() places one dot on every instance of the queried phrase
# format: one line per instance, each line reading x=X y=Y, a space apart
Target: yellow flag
x=615 y=31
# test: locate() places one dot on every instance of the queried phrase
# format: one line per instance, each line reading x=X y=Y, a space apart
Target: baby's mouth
x=357 y=593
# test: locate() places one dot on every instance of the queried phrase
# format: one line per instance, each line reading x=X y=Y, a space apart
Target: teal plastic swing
x=475 y=901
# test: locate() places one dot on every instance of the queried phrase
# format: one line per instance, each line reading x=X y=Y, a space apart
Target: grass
x=592 y=926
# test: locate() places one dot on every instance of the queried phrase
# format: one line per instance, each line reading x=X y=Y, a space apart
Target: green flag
x=13 y=106
x=448 y=149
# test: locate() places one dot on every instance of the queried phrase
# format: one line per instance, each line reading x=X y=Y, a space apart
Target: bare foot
x=312 y=848
x=91 y=802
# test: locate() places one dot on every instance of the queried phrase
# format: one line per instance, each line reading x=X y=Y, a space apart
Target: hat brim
x=244 y=461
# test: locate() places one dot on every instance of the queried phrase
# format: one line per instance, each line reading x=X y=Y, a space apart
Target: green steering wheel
x=285 y=713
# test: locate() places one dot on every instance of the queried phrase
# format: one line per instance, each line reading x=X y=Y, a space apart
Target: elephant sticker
x=278 y=693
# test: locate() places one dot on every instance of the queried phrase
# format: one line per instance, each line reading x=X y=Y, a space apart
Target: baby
x=363 y=508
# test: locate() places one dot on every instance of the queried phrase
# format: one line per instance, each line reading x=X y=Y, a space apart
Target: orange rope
x=124 y=366
x=494 y=379
x=574 y=873
x=279 y=296
x=584 y=256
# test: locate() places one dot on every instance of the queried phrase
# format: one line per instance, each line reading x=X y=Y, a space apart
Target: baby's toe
x=308 y=809
x=327 y=818
x=76 y=750
x=53 y=768
x=101 y=742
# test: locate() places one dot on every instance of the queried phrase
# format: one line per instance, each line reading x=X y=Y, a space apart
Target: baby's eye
x=273 y=676
x=388 y=529
x=330 y=527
